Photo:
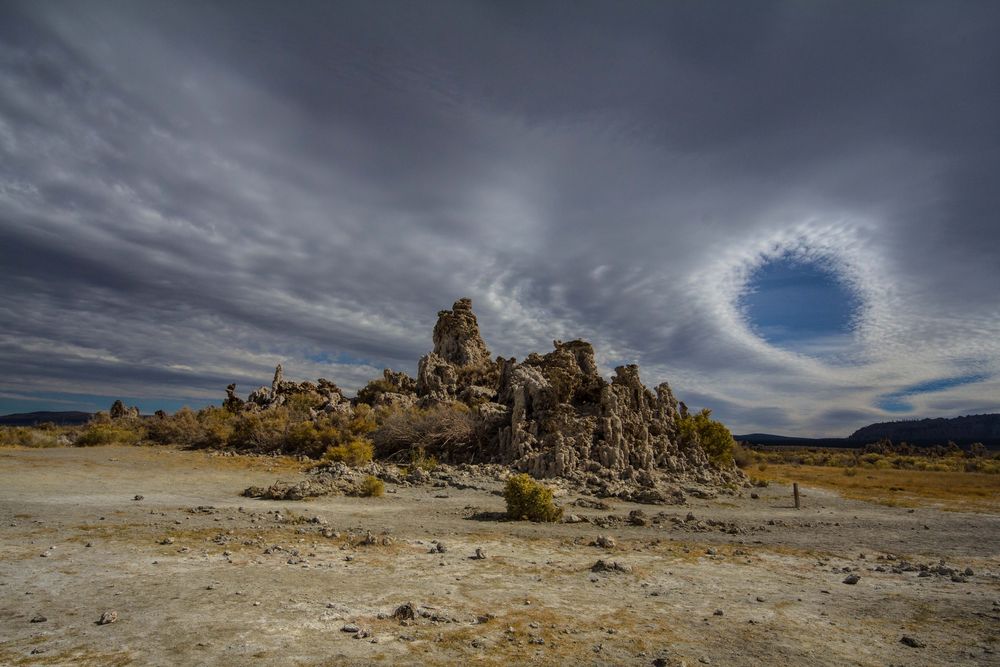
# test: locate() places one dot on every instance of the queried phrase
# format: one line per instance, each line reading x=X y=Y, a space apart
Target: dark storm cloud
x=192 y=192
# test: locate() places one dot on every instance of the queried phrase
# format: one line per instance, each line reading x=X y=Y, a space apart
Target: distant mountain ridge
x=961 y=430
x=68 y=418
x=939 y=431
x=772 y=439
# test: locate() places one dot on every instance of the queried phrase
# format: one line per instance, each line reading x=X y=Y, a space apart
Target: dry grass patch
x=254 y=462
x=78 y=657
x=959 y=491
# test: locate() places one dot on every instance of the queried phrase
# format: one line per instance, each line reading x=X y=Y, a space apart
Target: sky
x=788 y=210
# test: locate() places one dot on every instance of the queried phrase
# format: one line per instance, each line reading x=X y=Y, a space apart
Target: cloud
x=189 y=195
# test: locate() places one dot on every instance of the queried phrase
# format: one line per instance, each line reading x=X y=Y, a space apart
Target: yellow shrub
x=107 y=434
x=355 y=452
x=700 y=430
x=371 y=487
x=26 y=436
x=528 y=500
x=420 y=459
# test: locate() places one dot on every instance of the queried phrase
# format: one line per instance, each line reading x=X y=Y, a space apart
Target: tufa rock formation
x=324 y=394
x=550 y=415
x=120 y=412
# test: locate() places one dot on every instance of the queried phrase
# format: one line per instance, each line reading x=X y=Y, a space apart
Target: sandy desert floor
x=199 y=575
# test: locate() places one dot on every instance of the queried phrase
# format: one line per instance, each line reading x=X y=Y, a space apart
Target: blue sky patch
x=897 y=400
x=789 y=301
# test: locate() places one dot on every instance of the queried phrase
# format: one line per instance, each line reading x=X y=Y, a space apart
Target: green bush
x=371 y=487
x=528 y=500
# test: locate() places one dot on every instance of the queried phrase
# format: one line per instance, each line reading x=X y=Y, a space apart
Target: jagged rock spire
x=456 y=336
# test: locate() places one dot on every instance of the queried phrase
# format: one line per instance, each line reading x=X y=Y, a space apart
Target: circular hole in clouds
x=798 y=303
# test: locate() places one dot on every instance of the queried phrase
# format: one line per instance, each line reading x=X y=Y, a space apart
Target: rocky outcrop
x=394 y=389
x=119 y=411
x=459 y=367
x=551 y=415
x=322 y=397
x=456 y=336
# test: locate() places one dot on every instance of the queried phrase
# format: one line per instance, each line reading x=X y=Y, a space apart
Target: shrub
x=355 y=452
x=371 y=487
x=420 y=459
x=850 y=472
x=442 y=430
x=309 y=438
x=978 y=450
x=742 y=456
x=300 y=406
x=529 y=500
x=711 y=435
x=370 y=393
x=260 y=431
x=181 y=428
x=107 y=434
x=870 y=458
x=25 y=436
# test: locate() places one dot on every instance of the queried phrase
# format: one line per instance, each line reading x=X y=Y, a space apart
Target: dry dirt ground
x=199 y=575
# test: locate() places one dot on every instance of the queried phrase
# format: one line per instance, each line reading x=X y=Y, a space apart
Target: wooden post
x=795 y=490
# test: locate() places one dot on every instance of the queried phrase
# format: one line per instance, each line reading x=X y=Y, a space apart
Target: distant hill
x=788 y=440
x=32 y=418
x=960 y=430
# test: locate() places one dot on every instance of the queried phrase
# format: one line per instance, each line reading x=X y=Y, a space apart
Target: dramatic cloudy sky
x=788 y=210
